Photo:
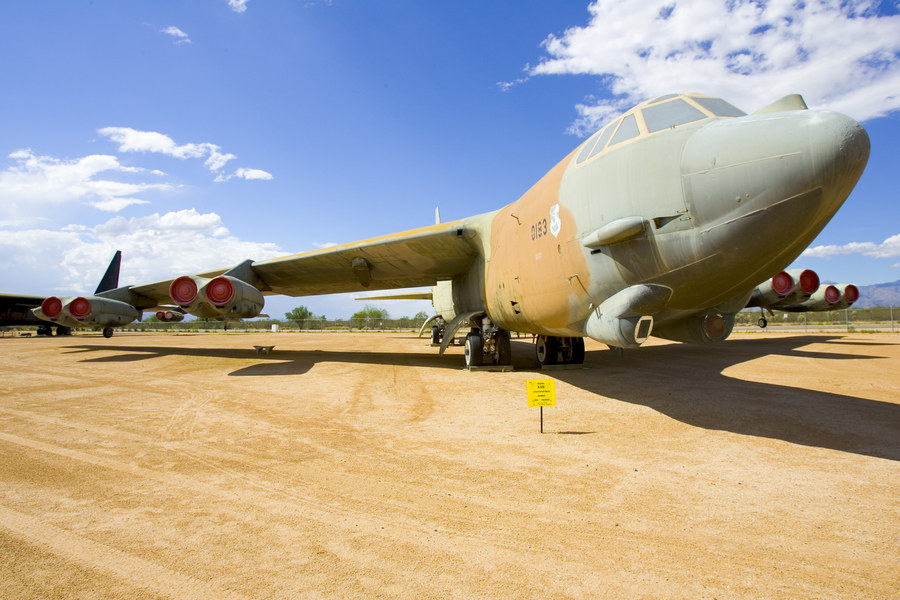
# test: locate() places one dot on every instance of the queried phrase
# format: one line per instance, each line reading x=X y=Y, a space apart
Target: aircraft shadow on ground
x=684 y=382
x=665 y=378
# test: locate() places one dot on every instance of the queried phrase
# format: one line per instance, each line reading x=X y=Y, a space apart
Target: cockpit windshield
x=665 y=112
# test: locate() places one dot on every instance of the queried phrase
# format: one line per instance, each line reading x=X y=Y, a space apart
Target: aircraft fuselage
x=706 y=209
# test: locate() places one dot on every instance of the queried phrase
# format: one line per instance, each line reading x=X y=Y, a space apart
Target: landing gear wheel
x=504 y=348
x=474 y=350
x=435 y=335
x=45 y=330
x=762 y=322
x=107 y=332
x=573 y=351
x=547 y=350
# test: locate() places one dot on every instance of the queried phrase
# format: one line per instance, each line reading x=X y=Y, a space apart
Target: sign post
x=541 y=392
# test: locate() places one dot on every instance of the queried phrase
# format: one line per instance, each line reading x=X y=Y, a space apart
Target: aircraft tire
x=762 y=322
x=573 y=352
x=474 y=350
x=435 y=334
x=107 y=332
x=504 y=349
x=547 y=350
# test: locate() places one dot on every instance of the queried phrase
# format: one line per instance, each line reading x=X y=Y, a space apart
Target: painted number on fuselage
x=539 y=229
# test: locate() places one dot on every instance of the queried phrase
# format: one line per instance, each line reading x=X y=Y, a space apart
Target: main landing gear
x=487 y=344
x=551 y=350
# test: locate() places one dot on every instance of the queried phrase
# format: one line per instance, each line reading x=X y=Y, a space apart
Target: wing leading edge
x=418 y=257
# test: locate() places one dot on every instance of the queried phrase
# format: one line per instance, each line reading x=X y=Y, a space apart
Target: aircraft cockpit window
x=661 y=98
x=655 y=116
x=588 y=146
x=719 y=107
x=626 y=131
x=604 y=137
x=670 y=114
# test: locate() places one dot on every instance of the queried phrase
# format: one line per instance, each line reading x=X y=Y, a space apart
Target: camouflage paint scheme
x=671 y=219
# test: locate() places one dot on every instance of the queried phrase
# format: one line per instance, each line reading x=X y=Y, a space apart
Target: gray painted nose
x=738 y=167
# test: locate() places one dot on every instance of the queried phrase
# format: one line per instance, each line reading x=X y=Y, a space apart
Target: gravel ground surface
x=365 y=466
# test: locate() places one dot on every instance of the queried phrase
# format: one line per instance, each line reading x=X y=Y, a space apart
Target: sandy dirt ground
x=365 y=466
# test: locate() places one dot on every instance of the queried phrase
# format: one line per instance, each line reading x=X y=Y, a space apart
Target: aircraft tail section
x=110 y=279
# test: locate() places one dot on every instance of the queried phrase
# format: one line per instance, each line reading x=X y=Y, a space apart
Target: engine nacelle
x=170 y=316
x=86 y=311
x=849 y=295
x=806 y=282
x=773 y=290
x=829 y=297
x=221 y=297
x=706 y=329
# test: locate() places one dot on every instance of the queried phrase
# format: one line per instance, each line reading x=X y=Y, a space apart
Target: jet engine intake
x=87 y=311
x=849 y=295
x=771 y=291
x=224 y=296
x=806 y=282
x=170 y=316
x=233 y=298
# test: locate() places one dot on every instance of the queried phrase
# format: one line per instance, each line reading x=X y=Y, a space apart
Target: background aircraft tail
x=110 y=279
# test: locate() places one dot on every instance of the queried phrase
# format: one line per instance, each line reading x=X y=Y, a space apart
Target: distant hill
x=880 y=294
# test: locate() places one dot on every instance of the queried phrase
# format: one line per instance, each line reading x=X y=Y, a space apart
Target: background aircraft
x=664 y=221
x=17 y=309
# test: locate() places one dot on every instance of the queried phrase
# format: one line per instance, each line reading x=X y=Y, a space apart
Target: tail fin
x=110 y=279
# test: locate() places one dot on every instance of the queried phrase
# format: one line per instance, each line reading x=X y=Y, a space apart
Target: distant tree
x=301 y=313
x=421 y=316
x=371 y=312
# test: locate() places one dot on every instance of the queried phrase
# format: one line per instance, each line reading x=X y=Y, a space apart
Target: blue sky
x=192 y=135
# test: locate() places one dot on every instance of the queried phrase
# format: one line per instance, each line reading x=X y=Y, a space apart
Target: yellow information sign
x=541 y=392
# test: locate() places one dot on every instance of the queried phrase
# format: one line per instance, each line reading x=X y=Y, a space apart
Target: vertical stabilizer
x=110 y=279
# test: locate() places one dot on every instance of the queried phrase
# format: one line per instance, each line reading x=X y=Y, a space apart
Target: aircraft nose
x=781 y=175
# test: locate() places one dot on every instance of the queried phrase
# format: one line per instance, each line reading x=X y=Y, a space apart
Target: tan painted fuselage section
x=537 y=276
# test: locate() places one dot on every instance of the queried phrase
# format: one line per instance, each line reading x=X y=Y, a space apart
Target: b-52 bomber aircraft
x=16 y=309
x=665 y=221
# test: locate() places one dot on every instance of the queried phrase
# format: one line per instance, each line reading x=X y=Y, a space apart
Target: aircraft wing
x=20 y=300
x=419 y=257
x=15 y=309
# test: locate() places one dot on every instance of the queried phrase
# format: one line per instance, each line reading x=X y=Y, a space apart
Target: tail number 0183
x=539 y=229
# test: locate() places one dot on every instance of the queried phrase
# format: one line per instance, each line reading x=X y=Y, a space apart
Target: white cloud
x=249 y=174
x=840 y=55
x=134 y=140
x=180 y=36
x=238 y=6
x=217 y=160
x=252 y=174
x=324 y=244
x=886 y=249
x=35 y=182
x=154 y=247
